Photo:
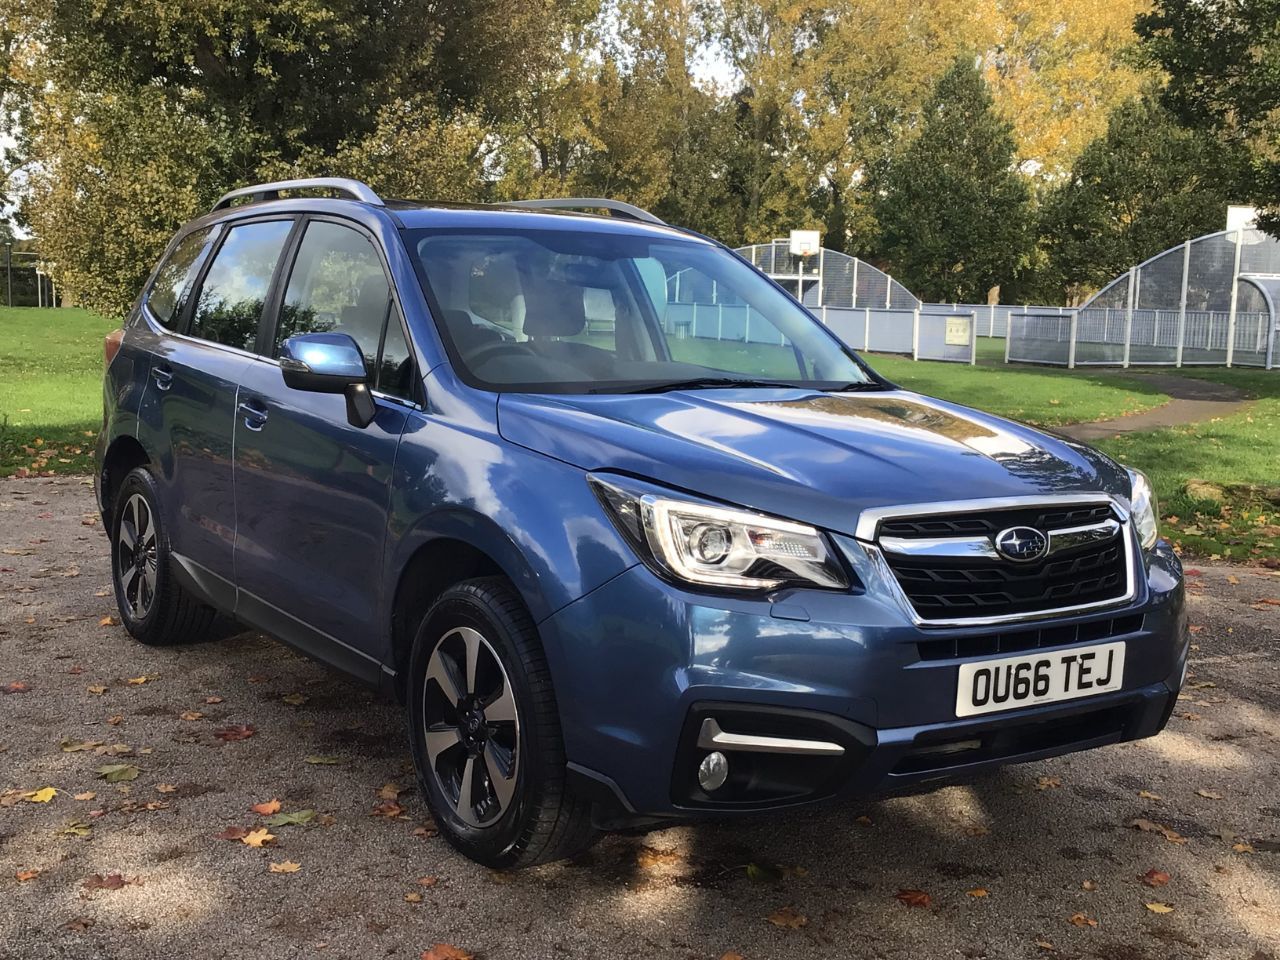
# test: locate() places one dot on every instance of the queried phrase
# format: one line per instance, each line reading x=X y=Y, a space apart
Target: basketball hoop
x=805 y=243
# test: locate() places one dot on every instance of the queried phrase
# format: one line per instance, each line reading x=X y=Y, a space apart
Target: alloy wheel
x=136 y=557
x=471 y=727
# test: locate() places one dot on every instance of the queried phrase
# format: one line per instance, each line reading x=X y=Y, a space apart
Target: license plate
x=991 y=685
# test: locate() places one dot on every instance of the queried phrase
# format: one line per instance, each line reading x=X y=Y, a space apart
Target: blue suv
x=623 y=560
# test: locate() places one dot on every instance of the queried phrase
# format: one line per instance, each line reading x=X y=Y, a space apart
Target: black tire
x=541 y=820
x=163 y=613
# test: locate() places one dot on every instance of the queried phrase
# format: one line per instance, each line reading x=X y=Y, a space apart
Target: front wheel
x=154 y=608
x=485 y=731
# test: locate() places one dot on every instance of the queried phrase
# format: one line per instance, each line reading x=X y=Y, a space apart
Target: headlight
x=1146 y=514
x=718 y=546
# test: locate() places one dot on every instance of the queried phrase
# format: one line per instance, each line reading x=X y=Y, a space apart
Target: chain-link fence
x=1212 y=300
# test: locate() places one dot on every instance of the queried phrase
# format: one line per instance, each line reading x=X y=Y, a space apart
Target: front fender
x=534 y=516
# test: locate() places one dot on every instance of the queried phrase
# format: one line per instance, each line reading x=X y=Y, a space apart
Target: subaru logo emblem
x=1021 y=544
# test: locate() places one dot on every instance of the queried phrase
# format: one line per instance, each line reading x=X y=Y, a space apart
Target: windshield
x=555 y=311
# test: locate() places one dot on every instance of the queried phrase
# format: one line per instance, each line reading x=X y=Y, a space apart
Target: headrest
x=553 y=308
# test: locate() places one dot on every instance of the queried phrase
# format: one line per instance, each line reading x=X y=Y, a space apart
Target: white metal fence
x=1094 y=336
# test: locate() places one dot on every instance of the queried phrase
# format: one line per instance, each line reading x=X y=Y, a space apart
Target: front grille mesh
x=947 y=589
x=1025 y=640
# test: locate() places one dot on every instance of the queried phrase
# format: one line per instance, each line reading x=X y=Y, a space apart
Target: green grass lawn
x=50 y=389
x=1240 y=454
x=1037 y=395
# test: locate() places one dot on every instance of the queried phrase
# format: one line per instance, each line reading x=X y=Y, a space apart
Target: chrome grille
x=944 y=560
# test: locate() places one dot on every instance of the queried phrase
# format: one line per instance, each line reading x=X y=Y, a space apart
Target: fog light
x=713 y=771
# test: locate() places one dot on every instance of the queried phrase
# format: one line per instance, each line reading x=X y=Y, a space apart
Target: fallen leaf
x=16 y=687
x=444 y=951
x=257 y=838
x=1148 y=795
x=1088 y=885
x=977 y=892
x=232 y=833
x=295 y=819
x=1242 y=848
x=387 y=808
x=863 y=820
x=76 y=828
x=96 y=689
x=87 y=795
x=914 y=898
x=212 y=700
x=294 y=699
x=139 y=681
x=1048 y=783
x=43 y=795
x=191 y=715
x=286 y=866
x=1159 y=908
x=762 y=873
x=413 y=897
x=117 y=772
x=112 y=881
x=26 y=875
x=107 y=621
x=390 y=791
x=1148 y=826
x=75 y=746
x=788 y=918
x=1155 y=878
x=1082 y=920
x=113 y=750
x=239 y=731
x=165 y=788
x=266 y=808
x=322 y=761
x=428 y=881
x=1209 y=794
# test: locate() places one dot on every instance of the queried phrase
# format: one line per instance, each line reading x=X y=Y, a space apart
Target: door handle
x=163 y=376
x=255 y=416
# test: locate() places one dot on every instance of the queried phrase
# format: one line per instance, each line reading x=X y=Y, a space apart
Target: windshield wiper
x=854 y=387
x=706 y=383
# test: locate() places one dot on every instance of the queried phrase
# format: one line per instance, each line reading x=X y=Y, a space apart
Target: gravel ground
x=1005 y=864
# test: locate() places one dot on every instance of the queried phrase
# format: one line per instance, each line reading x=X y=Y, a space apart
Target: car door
x=195 y=372
x=312 y=491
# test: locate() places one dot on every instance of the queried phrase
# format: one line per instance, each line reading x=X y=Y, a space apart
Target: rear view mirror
x=329 y=363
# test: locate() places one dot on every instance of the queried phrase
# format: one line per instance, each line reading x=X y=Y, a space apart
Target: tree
x=1223 y=62
x=1147 y=184
x=139 y=112
x=954 y=210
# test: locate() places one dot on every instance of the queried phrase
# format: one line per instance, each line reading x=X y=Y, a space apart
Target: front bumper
x=640 y=664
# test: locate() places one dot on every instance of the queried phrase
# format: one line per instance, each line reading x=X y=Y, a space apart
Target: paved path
x=1192 y=401
x=1046 y=842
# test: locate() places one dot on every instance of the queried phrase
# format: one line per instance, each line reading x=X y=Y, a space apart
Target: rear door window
x=229 y=305
x=173 y=280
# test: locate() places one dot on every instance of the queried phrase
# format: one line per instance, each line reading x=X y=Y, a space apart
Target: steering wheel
x=486 y=352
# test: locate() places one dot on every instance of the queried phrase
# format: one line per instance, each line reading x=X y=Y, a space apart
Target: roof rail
x=615 y=207
x=353 y=189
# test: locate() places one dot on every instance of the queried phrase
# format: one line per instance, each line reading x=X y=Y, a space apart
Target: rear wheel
x=154 y=608
x=485 y=731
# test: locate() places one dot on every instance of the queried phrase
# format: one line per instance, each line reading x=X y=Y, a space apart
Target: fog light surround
x=713 y=771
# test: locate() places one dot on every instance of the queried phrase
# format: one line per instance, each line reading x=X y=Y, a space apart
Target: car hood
x=820 y=458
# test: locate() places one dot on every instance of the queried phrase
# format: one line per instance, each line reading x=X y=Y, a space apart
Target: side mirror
x=329 y=363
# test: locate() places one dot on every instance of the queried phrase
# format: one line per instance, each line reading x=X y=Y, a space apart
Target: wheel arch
x=448 y=548
x=124 y=454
